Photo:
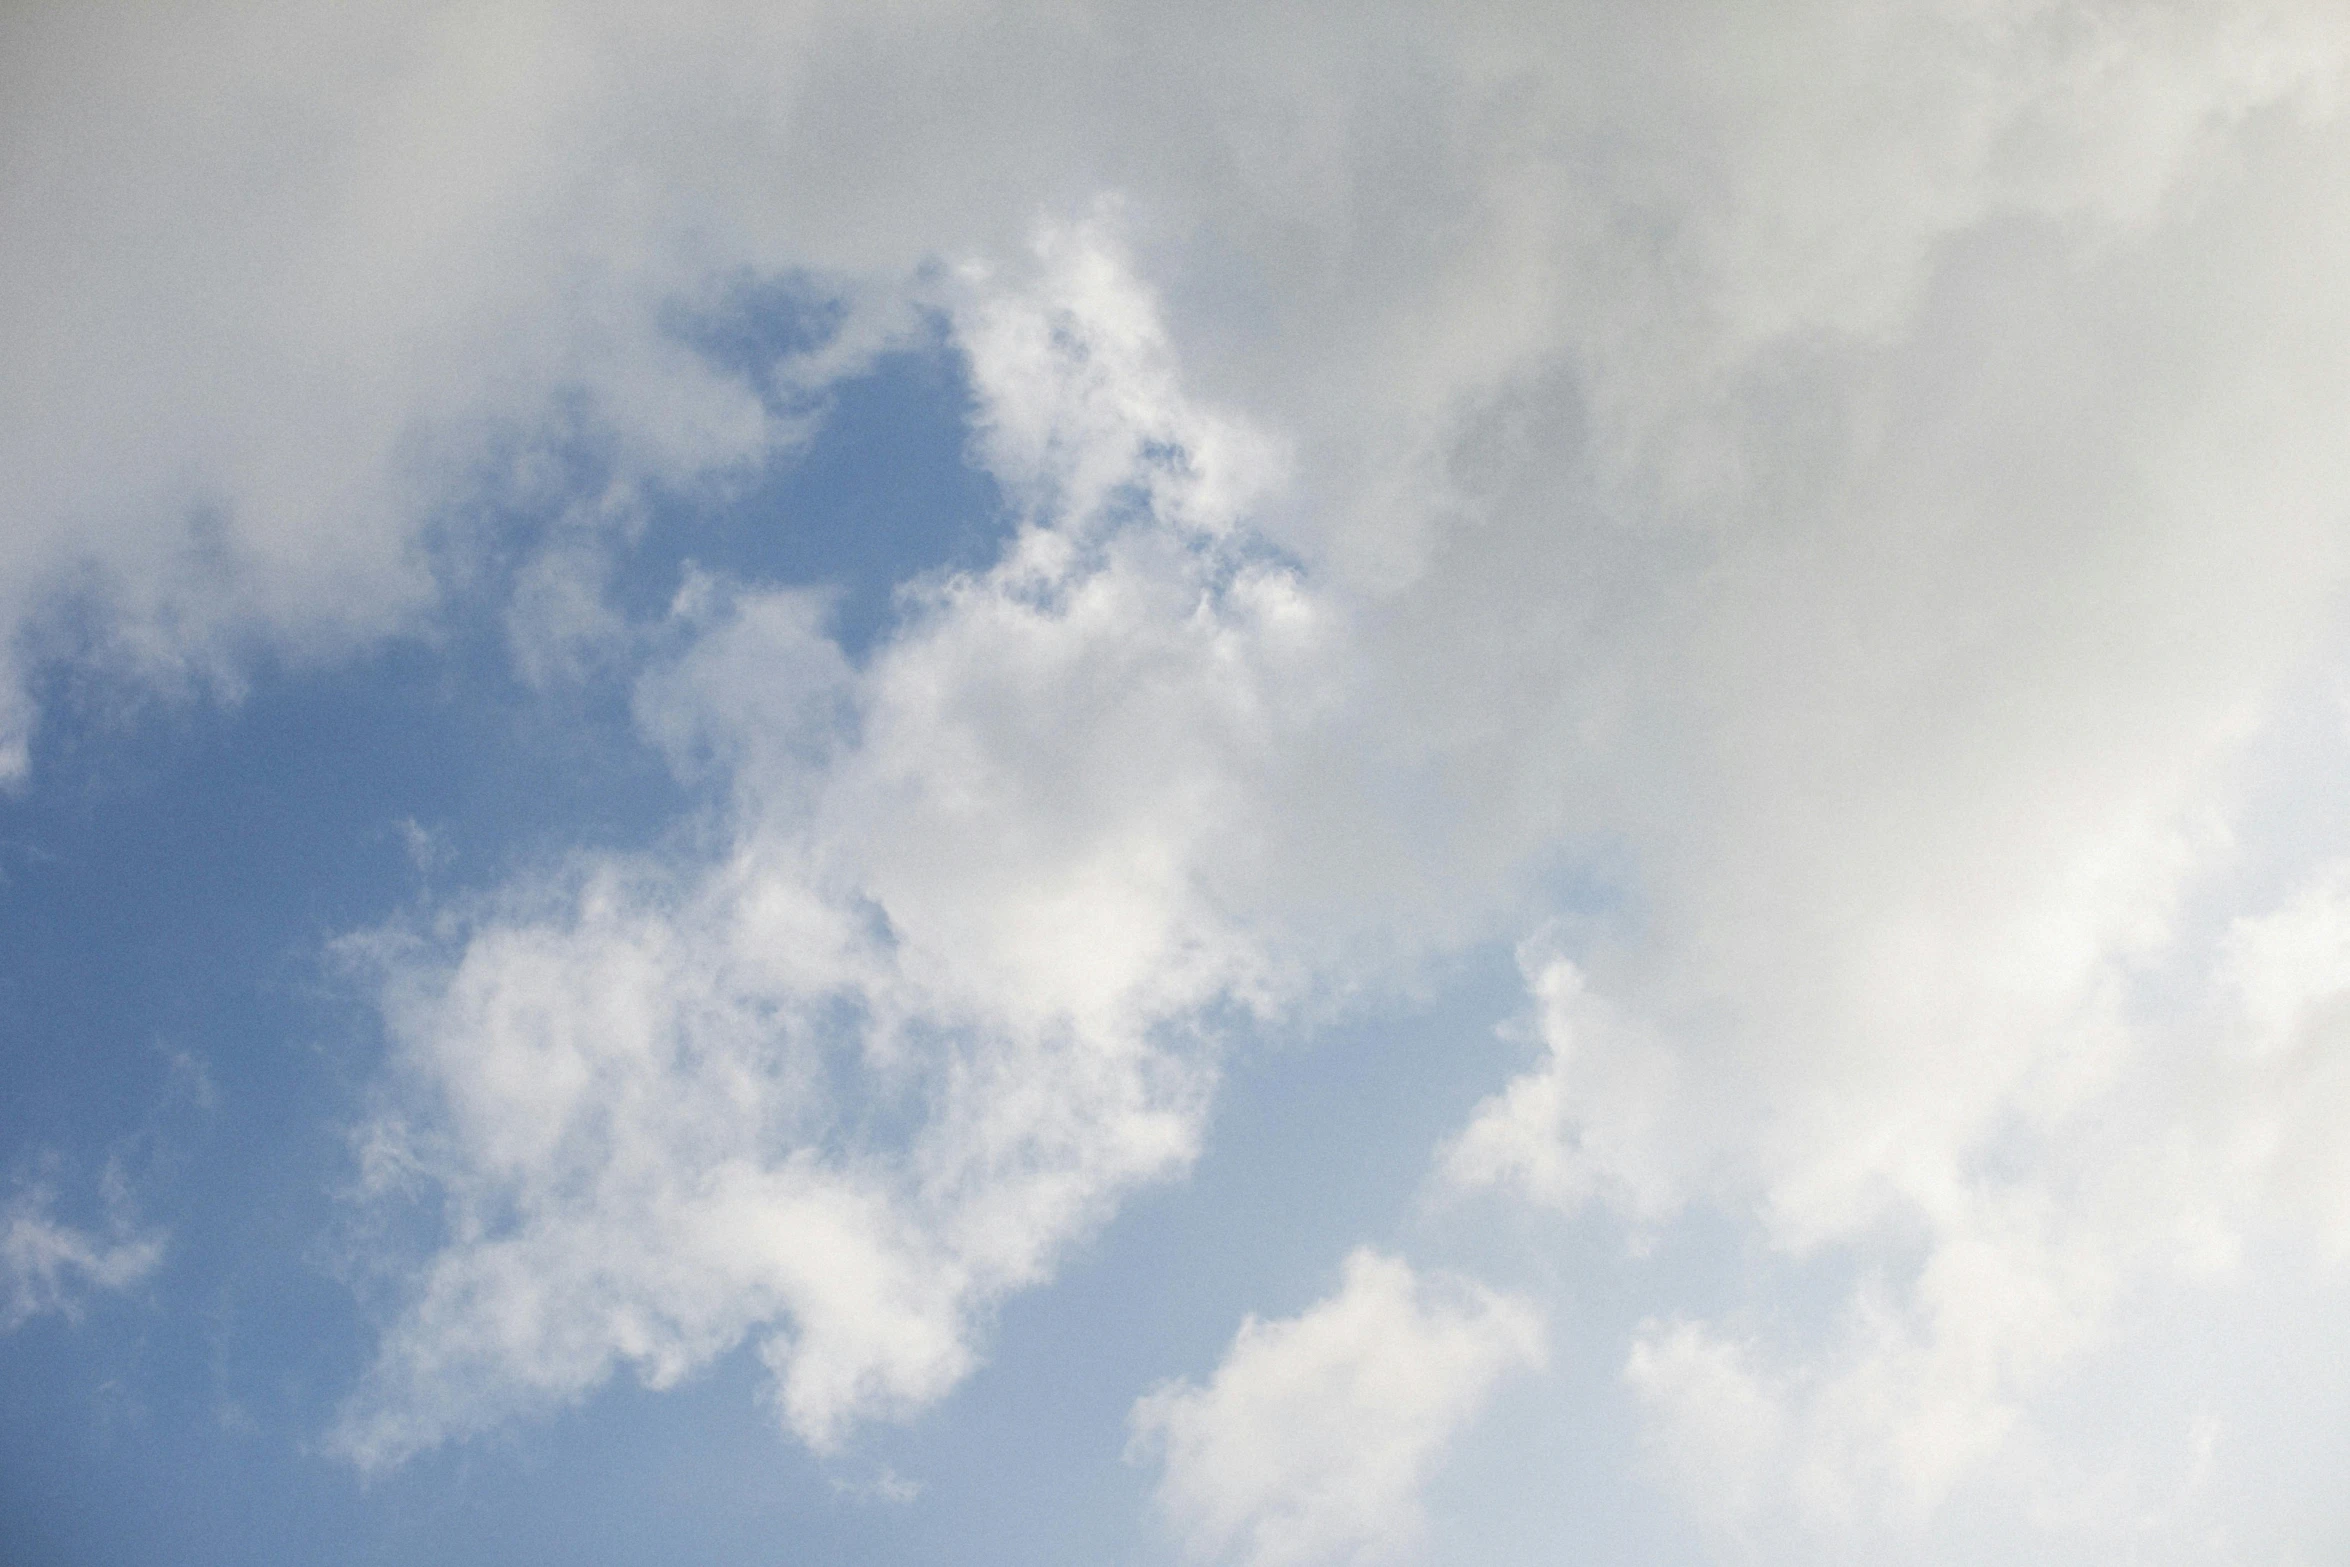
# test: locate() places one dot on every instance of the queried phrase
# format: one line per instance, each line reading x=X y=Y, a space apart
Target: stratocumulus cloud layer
x=1664 y=685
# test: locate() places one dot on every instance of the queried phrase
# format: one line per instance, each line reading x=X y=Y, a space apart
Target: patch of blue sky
x=885 y=492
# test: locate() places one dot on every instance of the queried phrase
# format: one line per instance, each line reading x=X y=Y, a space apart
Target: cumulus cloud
x=1928 y=764
x=1914 y=1394
x=1315 y=1434
x=933 y=1001
x=295 y=293
x=2289 y=968
x=1926 y=1394
x=51 y=1267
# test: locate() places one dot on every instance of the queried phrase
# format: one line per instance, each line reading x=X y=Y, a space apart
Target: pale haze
x=1191 y=786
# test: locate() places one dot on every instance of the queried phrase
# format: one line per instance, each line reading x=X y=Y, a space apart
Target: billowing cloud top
x=1821 y=530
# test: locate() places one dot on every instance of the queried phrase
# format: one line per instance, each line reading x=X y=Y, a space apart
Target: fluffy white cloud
x=1933 y=1403
x=297 y=296
x=46 y=1266
x=1315 y=1434
x=2274 y=1104
x=932 y=1003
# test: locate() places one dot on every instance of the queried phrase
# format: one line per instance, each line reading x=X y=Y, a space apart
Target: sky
x=1214 y=786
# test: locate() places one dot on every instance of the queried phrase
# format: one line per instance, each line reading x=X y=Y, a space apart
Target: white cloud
x=1313 y=1438
x=1910 y=1397
x=2290 y=967
x=930 y=1006
x=2273 y=1106
x=46 y=1266
x=290 y=289
x=1925 y=759
x=1593 y=1119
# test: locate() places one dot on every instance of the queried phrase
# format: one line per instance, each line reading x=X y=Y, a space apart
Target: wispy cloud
x=48 y=1267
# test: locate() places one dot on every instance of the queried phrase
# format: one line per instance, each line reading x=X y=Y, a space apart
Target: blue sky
x=1272 y=787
